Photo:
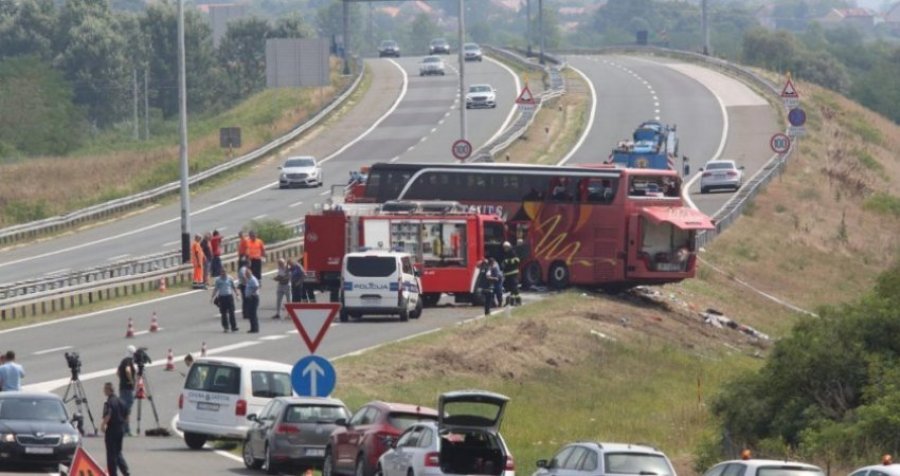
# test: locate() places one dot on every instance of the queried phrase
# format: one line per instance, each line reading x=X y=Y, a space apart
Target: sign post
x=780 y=143
x=313 y=375
x=526 y=100
x=789 y=95
x=462 y=149
x=797 y=118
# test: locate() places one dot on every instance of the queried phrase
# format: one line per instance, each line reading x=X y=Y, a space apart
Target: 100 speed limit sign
x=462 y=149
x=780 y=143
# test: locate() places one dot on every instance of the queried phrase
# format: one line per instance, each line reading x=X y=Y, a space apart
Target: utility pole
x=182 y=115
x=346 y=37
x=705 y=20
x=146 y=108
x=541 y=26
x=134 y=96
x=528 y=25
x=462 y=71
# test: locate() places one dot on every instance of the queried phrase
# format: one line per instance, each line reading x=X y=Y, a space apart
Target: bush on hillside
x=269 y=230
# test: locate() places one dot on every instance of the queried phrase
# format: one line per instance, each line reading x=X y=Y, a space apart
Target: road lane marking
x=328 y=192
x=394 y=159
x=297 y=204
x=171 y=243
x=514 y=108
x=140 y=333
x=116 y=258
x=58 y=271
x=260 y=217
x=590 y=123
x=50 y=351
x=268 y=338
x=433 y=129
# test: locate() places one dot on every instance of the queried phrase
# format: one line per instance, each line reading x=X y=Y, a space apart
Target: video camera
x=141 y=358
x=73 y=360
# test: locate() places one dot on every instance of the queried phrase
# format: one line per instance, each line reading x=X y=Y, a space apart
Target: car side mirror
x=341 y=422
x=542 y=463
x=252 y=417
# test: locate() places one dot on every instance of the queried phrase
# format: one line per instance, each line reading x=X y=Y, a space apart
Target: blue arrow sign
x=797 y=117
x=313 y=376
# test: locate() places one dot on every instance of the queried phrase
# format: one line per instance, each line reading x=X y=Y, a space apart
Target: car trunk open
x=469 y=422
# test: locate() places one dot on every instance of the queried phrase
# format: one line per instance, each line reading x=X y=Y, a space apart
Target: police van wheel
x=417 y=312
x=195 y=441
x=558 y=275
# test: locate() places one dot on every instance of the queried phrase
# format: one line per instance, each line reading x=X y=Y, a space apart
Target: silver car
x=291 y=431
x=721 y=174
x=431 y=65
x=602 y=459
x=472 y=52
x=481 y=95
x=302 y=170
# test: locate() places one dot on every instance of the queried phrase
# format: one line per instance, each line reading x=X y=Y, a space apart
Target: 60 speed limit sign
x=780 y=143
x=462 y=149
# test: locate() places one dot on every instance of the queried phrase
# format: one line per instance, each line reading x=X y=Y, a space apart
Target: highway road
x=403 y=117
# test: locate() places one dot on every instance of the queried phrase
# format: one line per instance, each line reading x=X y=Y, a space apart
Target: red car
x=355 y=446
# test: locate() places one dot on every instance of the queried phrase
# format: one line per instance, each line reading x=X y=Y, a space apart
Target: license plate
x=38 y=450
x=311 y=452
x=371 y=299
x=668 y=266
x=721 y=176
x=213 y=407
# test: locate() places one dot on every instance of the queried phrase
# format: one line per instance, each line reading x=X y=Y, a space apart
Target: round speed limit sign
x=462 y=149
x=780 y=143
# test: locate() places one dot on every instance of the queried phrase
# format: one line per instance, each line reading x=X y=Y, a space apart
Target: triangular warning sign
x=84 y=465
x=312 y=321
x=525 y=97
x=789 y=91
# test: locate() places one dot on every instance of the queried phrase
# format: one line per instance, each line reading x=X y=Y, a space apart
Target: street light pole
x=541 y=26
x=705 y=19
x=346 y=37
x=528 y=25
x=182 y=115
x=462 y=72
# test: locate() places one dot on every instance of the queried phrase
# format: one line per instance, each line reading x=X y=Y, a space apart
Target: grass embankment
x=47 y=186
x=556 y=127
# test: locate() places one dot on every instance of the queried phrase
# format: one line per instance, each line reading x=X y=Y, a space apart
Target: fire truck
x=446 y=239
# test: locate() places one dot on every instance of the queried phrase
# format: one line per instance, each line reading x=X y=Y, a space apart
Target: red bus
x=591 y=225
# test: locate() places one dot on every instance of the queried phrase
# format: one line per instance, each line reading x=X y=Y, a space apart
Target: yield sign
x=312 y=321
x=525 y=97
x=84 y=465
x=789 y=90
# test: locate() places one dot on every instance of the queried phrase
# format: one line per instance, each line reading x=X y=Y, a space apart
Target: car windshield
x=387 y=44
x=214 y=378
x=40 y=409
x=787 y=471
x=470 y=46
x=406 y=420
x=300 y=163
x=636 y=463
x=314 y=414
x=439 y=42
x=719 y=166
x=432 y=59
x=479 y=89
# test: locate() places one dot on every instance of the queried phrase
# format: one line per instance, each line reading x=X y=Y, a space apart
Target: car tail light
x=240 y=409
x=284 y=429
x=732 y=174
x=432 y=460
x=707 y=174
x=510 y=463
x=181 y=401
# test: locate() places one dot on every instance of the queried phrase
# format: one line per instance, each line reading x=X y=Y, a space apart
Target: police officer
x=113 y=429
x=510 y=266
x=485 y=285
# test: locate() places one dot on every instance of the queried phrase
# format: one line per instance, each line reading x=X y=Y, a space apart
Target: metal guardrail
x=16 y=233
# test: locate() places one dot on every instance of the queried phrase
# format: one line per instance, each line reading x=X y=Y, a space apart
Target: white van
x=219 y=393
x=380 y=282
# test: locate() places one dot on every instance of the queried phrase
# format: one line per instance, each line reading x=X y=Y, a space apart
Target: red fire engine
x=446 y=239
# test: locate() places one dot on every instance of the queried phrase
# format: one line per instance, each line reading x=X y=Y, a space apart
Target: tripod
x=143 y=391
x=78 y=395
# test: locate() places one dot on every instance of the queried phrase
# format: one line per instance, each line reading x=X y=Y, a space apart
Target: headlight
x=69 y=439
x=283 y=175
x=7 y=437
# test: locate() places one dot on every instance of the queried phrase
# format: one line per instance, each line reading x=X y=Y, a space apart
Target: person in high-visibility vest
x=256 y=251
x=511 y=264
x=197 y=258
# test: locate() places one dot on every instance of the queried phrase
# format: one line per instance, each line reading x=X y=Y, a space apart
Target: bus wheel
x=477 y=299
x=431 y=299
x=558 y=275
x=531 y=276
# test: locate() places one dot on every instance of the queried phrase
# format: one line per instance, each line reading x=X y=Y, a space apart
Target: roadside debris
x=717 y=319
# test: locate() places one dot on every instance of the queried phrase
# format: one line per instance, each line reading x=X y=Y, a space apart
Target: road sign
x=312 y=320
x=780 y=143
x=789 y=95
x=313 y=376
x=797 y=117
x=525 y=97
x=84 y=465
x=462 y=149
x=795 y=131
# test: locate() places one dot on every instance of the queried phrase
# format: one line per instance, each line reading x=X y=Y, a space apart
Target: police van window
x=214 y=378
x=371 y=266
x=407 y=266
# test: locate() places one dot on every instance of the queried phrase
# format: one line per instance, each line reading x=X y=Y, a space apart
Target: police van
x=380 y=283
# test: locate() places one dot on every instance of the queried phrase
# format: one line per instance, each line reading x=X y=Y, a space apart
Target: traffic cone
x=130 y=332
x=162 y=285
x=170 y=361
x=154 y=323
x=203 y=349
x=308 y=472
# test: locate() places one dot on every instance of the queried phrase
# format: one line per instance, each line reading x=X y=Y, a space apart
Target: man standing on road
x=113 y=431
x=197 y=258
x=11 y=373
x=251 y=299
x=296 y=272
x=242 y=287
x=126 y=373
x=256 y=251
x=497 y=281
x=215 y=245
x=225 y=290
x=207 y=257
x=511 y=274
x=242 y=247
x=486 y=285
x=283 y=288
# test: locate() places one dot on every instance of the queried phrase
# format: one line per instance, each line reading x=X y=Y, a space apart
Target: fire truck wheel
x=431 y=299
x=531 y=276
x=558 y=275
x=477 y=299
x=344 y=316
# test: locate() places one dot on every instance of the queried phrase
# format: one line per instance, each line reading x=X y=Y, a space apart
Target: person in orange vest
x=197 y=258
x=242 y=248
x=256 y=251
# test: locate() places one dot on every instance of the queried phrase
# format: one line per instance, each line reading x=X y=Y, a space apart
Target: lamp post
x=182 y=116
x=462 y=72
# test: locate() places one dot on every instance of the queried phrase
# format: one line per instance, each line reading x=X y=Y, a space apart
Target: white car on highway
x=481 y=95
x=431 y=65
x=302 y=170
x=721 y=174
x=764 y=467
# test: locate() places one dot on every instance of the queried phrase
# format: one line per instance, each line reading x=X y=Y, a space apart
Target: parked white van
x=380 y=282
x=219 y=393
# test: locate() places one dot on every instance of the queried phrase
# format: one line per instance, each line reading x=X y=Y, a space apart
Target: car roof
x=480 y=85
x=379 y=253
x=892 y=469
x=755 y=463
x=293 y=157
x=310 y=401
x=29 y=394
x=404 y=408
x=721 y=162
x=244 y=362
x=621 y=447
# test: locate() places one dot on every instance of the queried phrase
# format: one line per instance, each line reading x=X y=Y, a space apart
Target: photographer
x=127 y=378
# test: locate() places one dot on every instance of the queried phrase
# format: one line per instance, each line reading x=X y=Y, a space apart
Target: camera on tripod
x=74 y=362
x=141 y=358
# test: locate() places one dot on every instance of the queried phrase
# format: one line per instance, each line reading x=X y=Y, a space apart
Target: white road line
x=433 y=129
x=590 y=123
x=447 y=114
x=325 y=193
x=423 y=139
x=171 y=243
x=410 y=148
x=514 y=108
x=58 y=271
x=140 y=333
x=229 y=455
x=268 y=338
x=297 y=204
x=260 y=217
x=394 y=159
x=655 y=97
x=441 y=121
x=50 y=351
x=656 y=104
x=116 y=258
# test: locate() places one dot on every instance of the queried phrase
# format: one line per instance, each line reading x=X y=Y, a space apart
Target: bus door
x=632 y=244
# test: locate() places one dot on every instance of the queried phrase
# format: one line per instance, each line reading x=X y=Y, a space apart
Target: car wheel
x=269 y=465
x=249 y=461
x=417 y=312
x=431 y=299
x=531 y=276
x=558 y=275
x=195 y=441
x=328 y=464
x=360 y=465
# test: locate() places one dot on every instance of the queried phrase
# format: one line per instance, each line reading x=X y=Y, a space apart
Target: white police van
x=379 y=283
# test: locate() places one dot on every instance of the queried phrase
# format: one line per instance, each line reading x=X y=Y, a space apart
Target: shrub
x=269 y=230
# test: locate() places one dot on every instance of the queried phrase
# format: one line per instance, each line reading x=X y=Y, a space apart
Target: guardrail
x=34 y=229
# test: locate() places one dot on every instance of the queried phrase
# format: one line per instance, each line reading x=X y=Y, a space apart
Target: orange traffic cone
x=154 y=323
x=170 y=361
x=203 y=349
x=130 y=332
x=162 y=285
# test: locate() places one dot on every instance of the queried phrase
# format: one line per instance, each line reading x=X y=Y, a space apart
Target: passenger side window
x=407 y=266
x=359 y=417
x=266 y=411
x=409 y=438
x=560 y=457
x=270 y=384
x=426 y=439
x=716 y=470
x=574 y=459
x=734 y=470
x=589 y=463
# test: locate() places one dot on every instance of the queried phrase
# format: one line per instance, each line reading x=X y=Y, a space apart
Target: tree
x=291 y=26
x=28 y=28
x=770 y=50
x=242 y=55
x=421 y=31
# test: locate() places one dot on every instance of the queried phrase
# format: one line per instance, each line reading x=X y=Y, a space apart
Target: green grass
x=862 y=128
x=868 y=161
x=883 y=203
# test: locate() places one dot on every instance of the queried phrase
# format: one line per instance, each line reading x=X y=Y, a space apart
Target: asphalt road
x=416 y=119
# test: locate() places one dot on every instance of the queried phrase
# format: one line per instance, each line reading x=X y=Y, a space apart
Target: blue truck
x=653 y=145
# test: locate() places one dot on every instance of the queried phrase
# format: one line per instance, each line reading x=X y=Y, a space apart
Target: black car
x=389 y=48
x=35 y=428
x=439 y=45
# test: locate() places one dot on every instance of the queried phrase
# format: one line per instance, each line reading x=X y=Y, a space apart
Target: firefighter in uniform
x=511 y=264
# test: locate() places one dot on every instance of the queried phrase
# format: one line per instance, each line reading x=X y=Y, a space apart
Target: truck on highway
x=446 y=239
x=653 y=145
